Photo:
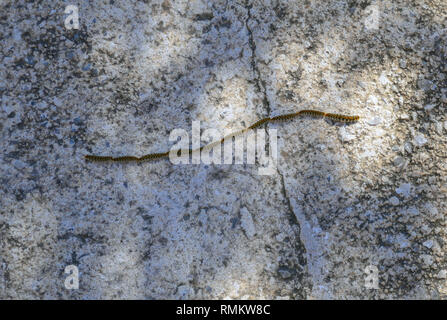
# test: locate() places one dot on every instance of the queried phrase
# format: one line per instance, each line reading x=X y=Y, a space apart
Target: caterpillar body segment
x=258 y=123
x=312 y=113
x=284 y=117
x=341 y=117
x=97 y=158
x=153 y=156
x=125 y=158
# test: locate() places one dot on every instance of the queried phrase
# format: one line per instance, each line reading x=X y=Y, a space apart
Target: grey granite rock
x=341 y=204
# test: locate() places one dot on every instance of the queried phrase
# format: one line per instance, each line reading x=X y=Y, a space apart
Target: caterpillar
x=315 y=113
x=153 y=156
x=258 y=123
x=125 y=158
x=97 y=158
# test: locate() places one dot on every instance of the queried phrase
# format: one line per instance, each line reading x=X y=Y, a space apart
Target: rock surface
x=342 y=200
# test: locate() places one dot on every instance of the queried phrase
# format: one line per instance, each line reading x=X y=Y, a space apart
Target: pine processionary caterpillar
x=153 y=156
x=284 y=117
x=258 y=123
x=333 y=116
x=97 y=158
x=125 y=158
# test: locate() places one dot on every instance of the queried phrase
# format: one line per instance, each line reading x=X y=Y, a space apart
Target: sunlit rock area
x=346 y=211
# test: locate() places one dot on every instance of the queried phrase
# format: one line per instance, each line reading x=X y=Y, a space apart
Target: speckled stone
x=340 y=198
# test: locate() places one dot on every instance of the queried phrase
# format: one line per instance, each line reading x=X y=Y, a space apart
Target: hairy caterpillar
x=153 y=156
x=97 y=158
x=315 y=113
x=258 y=123
x=126 y=158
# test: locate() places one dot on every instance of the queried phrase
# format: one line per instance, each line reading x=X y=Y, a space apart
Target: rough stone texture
x=342 y=197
